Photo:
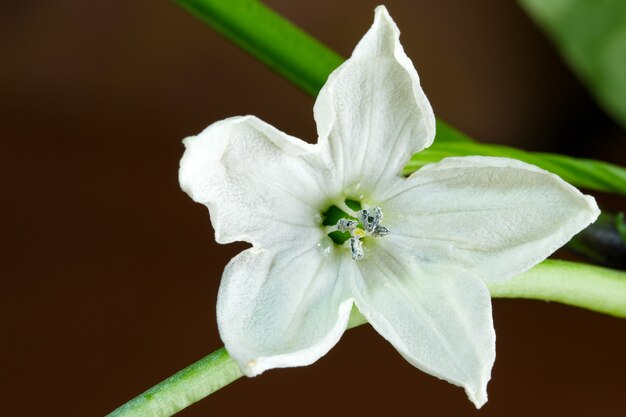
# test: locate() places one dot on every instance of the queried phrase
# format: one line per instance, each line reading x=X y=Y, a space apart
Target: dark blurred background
x=110 y=272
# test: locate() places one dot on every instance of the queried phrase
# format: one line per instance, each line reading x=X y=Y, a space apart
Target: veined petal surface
x=438 y=317
x=282 y=309
x=260 y=185
x=453 y=226
x=372 y=114
x=494 y=217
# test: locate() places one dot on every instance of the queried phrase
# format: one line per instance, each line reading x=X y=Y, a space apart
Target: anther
x=356 y=247
x=346 y=225
x=370 y=218
x=380 y=231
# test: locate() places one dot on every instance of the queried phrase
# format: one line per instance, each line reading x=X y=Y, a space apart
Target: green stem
x=581 y=285
x=183 y=388
x=585 y=286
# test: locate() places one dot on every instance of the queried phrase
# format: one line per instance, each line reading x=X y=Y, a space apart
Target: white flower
x=419 y=273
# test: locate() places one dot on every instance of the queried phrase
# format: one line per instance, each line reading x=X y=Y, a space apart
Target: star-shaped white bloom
x=417 y=253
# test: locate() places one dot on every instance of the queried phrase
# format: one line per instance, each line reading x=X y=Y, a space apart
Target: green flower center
x=332 y=217
x=354 y=229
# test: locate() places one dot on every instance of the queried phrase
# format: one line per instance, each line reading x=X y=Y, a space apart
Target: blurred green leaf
x=591 y=36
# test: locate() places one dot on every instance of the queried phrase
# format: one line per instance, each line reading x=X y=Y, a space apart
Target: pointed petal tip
x=382 y=38
x=477 y=393
x=479 y=397
x=593 y=207
x=382 y=16
x=187 y=140
x=589 y=211
x=381 y=11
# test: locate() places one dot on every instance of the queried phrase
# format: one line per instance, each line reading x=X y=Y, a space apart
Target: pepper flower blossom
x=413 y=254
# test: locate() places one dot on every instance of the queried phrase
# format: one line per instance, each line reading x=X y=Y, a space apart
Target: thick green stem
x=581 y=285
x=590 y=287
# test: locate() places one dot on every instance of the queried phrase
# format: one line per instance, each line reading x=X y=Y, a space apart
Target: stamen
x=380 y=231
x=370 y=218
x=356 y=247
x=346 y=225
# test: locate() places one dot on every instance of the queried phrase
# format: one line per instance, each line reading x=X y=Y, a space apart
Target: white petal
x=438 y=318
x=259 y=184
x=495 y=217
x=372 y=114
x=283 y=309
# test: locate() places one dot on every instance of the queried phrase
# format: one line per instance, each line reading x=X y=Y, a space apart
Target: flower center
x=354 y=228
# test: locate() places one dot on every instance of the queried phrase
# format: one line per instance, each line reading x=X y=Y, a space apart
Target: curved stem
x=590 y=287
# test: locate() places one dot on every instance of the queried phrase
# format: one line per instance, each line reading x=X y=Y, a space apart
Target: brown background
x=110 y=272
